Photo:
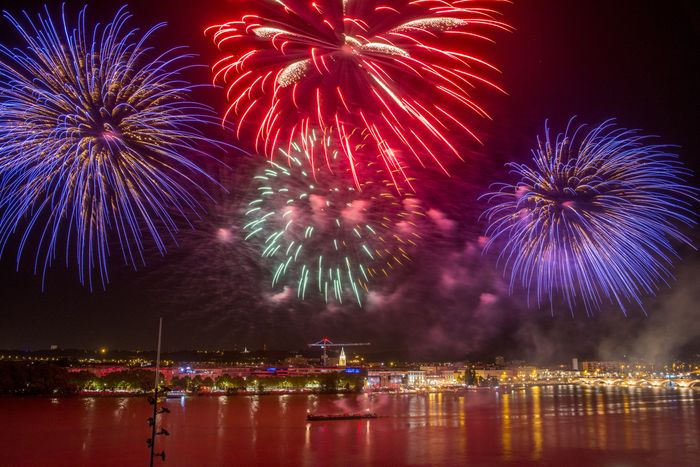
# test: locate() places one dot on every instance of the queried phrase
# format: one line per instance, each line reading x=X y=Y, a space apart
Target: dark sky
x=633 y=60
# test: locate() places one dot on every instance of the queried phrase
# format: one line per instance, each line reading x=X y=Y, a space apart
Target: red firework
x=399 y=70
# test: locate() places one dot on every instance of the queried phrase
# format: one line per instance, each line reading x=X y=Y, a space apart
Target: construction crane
x=325 y=343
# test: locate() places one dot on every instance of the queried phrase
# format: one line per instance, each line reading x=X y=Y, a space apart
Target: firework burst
x=322 y=234
x=95 y=134
x=401 y=71
x=595 y=219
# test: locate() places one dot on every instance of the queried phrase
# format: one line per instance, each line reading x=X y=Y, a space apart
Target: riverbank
x=382 y=391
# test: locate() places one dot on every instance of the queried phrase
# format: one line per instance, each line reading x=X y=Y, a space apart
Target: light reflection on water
x=505 y=427
x=536 y=424
x=566 y=425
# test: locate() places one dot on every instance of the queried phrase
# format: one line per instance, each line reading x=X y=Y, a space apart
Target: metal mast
x=153 y=421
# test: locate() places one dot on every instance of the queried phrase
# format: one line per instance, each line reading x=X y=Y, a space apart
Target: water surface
x=551 y=426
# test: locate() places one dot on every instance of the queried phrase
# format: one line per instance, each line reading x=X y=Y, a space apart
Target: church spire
x=341 y=360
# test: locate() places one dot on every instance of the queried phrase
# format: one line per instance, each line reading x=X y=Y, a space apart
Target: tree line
x=43 y=378
x=327 y=382
x=20 y=378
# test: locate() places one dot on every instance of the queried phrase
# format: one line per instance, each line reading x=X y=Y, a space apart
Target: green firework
x=319 y=233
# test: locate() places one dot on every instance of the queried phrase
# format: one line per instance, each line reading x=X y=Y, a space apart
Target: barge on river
x=340 y=416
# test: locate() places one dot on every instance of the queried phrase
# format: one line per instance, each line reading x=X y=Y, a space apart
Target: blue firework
x=596 y=218
x=97 y=132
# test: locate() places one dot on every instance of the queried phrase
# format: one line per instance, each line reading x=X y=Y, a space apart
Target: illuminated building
x=415 y=378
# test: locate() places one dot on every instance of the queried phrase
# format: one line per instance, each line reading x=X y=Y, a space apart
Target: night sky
x=635 y=61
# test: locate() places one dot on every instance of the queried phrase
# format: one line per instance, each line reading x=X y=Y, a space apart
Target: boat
x=341 y=416
x=175 y=394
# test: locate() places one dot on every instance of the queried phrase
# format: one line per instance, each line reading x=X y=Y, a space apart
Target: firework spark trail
x=595 y=219
x=320 y=233
x=95 y=134
x=402 y=73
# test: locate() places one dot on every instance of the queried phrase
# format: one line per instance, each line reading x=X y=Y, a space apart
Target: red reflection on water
x=569 y=426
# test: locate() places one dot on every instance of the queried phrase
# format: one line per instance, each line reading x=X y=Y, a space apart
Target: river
x=550 y=426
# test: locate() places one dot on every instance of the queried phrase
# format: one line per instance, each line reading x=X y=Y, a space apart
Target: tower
x=341 y=359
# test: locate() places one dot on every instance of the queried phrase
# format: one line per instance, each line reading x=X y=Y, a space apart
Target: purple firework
x=596 y=218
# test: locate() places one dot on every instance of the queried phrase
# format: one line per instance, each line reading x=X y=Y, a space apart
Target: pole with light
x=153 y=421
